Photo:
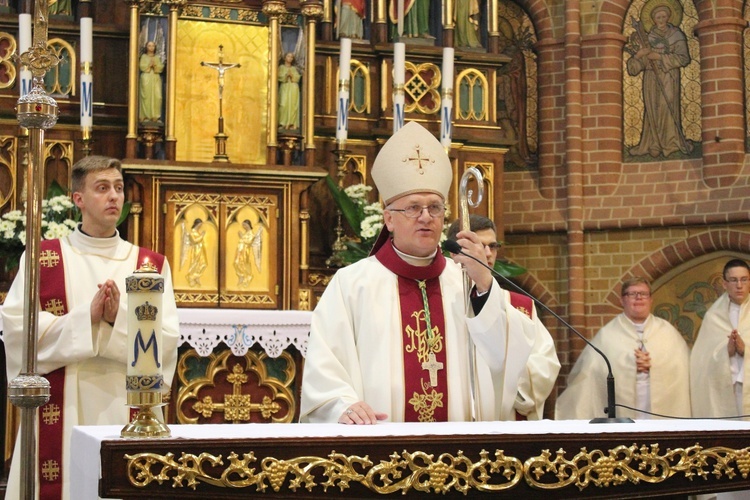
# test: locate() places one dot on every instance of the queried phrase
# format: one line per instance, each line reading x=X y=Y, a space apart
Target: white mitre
x=412 y=161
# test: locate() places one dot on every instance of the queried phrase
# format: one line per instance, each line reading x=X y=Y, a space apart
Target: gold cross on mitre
x=419 y=159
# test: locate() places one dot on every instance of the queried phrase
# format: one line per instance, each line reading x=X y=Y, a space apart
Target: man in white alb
x=718 y=361
x=82 y=347
x=540 y=373
x=649 y=361
x=390 y=336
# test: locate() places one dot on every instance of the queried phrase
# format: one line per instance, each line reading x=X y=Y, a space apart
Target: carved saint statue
x=150 y=92
x=289 y=95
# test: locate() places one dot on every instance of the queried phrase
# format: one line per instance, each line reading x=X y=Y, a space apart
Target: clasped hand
x=735 y=345
x=642 y=361
x=106 y=302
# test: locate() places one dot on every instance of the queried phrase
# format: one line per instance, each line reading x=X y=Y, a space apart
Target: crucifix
x=221 y=138
x=433 y=366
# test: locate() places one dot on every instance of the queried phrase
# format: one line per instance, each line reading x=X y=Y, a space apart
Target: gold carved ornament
x=422 y=472
x=237 y=407
x=423 y=88
x=633 y=464
x=406 y=471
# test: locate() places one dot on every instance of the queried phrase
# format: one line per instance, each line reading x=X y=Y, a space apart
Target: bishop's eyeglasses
x=415 y=211
x=637 y=295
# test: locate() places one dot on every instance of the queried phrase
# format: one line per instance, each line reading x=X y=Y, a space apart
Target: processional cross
x=221 y=137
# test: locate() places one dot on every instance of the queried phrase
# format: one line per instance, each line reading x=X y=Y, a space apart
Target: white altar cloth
x=86 y=440
x=240 y=329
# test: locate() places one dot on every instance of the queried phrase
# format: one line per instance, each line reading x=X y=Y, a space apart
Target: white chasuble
x=586 y=394
x=356 y=348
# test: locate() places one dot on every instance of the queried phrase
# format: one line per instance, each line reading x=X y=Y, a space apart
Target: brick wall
x=638 y=218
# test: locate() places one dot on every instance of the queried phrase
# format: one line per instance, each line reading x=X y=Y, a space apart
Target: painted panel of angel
x=249 y=252
x=193 y=254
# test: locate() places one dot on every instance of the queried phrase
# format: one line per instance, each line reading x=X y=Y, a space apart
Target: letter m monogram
x=138 y=346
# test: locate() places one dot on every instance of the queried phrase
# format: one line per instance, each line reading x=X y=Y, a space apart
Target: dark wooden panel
x=283 y=459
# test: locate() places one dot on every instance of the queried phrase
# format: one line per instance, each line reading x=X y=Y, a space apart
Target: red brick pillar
x=551 y=105
x=723 y=120
x=601 y=64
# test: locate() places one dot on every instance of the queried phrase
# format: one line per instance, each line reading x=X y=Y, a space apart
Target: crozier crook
x=465 y=200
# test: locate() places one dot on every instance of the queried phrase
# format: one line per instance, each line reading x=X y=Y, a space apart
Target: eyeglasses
x=734 y=281
x=637 y=295
x=493 y=246
x=415 y=211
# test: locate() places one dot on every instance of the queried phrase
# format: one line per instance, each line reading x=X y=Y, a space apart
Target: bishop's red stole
x=424 y=352
x=53 y=299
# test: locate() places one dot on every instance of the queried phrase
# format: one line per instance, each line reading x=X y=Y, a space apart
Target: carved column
x=273 y=9
x=493 y=35
x=380 y=23
x=312 y=10
x=449 y=26
x=170 y=146
x=326 y=25
x=131 y=139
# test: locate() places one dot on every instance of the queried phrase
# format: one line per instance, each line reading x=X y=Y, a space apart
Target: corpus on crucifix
x=220 y=137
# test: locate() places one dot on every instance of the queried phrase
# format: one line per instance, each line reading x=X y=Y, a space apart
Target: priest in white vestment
x=649 y=360
x=82 y=345
x=540 y=373
x=718 y=363
x=390 y=337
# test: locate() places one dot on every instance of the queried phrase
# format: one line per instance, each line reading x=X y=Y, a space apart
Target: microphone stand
x=611 y=418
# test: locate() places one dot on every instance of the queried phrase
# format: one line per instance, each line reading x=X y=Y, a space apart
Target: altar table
x=535 y=459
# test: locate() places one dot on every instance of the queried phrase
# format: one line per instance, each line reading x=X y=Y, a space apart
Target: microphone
x=453 y=247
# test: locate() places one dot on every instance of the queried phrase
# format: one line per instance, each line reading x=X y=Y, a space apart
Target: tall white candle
x=24 y=44
x=342 y=114
x=145 y=289
x=447 y=98
x=399 y=77
x=87 y=77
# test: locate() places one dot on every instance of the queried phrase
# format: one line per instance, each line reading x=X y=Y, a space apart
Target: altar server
x=649 y=361
x=540 y=373
x=390 y=337
x=82 y=332
x=718 y=361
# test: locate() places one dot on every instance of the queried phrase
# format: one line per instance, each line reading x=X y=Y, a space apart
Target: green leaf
x=55 y=189
x=351 y=212
x=125 y=212
x=508 y=269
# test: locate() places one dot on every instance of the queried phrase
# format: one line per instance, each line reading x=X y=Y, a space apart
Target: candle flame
x=146 y=267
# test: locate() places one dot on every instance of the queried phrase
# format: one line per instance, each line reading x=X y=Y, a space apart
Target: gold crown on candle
x=147 y=267
x=146 y=312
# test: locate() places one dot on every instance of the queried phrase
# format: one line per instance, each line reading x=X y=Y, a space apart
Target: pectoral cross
x=221 y=138
x=433 y=366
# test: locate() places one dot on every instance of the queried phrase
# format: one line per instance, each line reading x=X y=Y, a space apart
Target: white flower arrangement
x=56 y=223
